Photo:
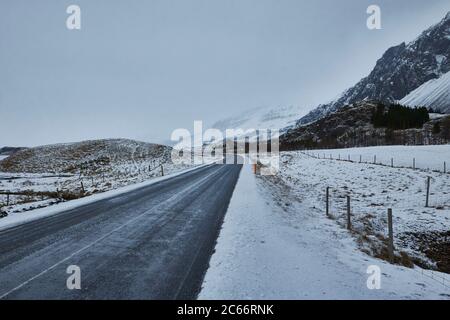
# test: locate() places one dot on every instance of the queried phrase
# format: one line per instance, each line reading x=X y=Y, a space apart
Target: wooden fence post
x=349 y=222
x=327 y=202
x=392 y=162
x=375 y=159
x=414 y=163
x=445 y=167
x=391 y=236
x=162 y=170
x=360 y=158
x=428 y=192
x=7 y=199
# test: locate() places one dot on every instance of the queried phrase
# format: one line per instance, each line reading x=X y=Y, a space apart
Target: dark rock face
x=400 y=70
x=351 y=126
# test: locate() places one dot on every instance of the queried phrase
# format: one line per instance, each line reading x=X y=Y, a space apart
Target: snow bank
x=277 y=247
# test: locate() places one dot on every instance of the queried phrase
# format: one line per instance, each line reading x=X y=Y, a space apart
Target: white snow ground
x=373 y=189
x=273 y=247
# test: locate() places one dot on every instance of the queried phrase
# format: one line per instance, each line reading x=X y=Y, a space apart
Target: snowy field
x=373 y=189
x=426 y=157
x=277 y=244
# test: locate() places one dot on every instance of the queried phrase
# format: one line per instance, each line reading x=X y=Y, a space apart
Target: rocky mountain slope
x=352 y=126
x=400 y=70
x=434 y=94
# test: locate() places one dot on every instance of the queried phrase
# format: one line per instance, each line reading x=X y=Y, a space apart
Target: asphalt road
x=151 y=243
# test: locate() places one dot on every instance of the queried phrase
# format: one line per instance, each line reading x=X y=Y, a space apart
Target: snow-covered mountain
x=397 y=74
x=400 y=70
x=434 y=94
x=263 y=118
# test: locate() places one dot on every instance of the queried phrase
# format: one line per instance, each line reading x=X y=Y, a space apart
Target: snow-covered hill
x=434 y=93
x=87 y=156
x=46 y=175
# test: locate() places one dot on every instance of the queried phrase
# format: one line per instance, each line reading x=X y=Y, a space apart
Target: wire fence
x=376 y=160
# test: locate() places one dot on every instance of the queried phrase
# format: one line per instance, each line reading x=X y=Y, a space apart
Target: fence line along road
x=374 y=162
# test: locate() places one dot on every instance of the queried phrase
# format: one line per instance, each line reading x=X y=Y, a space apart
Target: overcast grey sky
x=141 y=68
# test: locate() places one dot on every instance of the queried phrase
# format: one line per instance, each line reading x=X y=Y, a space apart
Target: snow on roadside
x=14 y=219
x=427 y=157
x=287 y=250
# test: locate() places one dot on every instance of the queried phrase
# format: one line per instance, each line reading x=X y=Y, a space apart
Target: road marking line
x=106 y=235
